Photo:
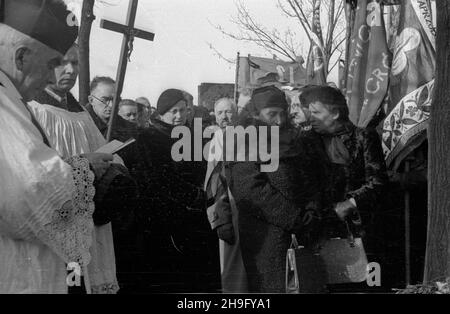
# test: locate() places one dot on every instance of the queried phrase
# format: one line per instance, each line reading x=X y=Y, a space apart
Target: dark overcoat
x=181 y=253
x=363 y=178
x=274 y=205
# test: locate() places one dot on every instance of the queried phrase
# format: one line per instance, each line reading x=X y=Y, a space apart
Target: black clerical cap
x=267 y=97
x=47 y=21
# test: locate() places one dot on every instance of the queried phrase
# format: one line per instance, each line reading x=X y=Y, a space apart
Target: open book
x=114 y=146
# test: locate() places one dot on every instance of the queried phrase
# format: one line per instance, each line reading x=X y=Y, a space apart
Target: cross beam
x=119 y=28
x=129 y=33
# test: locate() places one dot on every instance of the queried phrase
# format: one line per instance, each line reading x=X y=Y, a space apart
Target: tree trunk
x=437 y=260
x=87 y=17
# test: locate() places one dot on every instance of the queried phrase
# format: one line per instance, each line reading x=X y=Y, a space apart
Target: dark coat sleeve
x=375 y=175
x=162 y=189
x=219 y=208
x=258 y=194
x=115 y=198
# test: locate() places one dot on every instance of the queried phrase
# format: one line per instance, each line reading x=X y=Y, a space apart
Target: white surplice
x=73 y=134
x=41 y=226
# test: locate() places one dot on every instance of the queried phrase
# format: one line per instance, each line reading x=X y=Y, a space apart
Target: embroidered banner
x=369 y=63
x=407 y=120
x=316 y=68
x=412 y=79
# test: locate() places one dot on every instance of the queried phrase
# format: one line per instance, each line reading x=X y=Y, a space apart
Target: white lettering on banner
x=361 y=34
x=422 y=11
x=359 y=49
x=373 y=83
x=350 y=68
x=425 y=10
x=374 y=14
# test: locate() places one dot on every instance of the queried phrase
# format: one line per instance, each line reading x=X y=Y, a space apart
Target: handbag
x=345 y=260
x=335 y=261
x=305 y=271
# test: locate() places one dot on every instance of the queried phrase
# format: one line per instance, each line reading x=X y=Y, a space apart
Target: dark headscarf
x=168 y=99
x=268 y=97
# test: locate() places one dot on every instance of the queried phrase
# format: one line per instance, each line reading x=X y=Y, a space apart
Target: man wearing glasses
x=100 y=105
x=101 y=101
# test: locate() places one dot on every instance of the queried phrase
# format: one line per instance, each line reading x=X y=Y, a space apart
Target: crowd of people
x=139 y=221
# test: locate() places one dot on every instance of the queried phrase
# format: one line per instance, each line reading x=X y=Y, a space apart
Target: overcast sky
x=180 y=56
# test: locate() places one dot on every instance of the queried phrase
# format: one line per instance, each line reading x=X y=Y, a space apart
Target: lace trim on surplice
x=71 y=227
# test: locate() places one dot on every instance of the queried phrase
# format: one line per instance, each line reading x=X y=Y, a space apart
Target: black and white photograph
x=224 y=152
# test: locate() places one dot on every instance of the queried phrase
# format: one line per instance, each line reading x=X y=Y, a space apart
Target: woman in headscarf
x=276 y=204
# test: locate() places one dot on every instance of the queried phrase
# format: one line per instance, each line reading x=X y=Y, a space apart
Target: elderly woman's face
x=322 y=119
x=177 y=115
x=274 y=116
x=129 y=113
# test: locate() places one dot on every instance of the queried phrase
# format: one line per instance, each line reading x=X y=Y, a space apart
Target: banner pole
x=236 y=81
x=407 y=230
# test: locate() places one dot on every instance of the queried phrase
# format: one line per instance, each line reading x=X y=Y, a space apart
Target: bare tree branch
x=285 y=42
x=335 y=63
x=220 y=55
x=302 y=14
x=337 y=44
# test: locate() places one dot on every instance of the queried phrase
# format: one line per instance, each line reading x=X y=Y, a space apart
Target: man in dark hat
x=46 y=208
x=273 y=205
x=36 y=33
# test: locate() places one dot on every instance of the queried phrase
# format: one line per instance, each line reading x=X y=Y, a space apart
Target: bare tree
x=437 y=261
x=87 y=18
x=287 y=42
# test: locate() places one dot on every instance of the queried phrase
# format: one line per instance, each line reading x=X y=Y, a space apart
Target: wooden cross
x=129 y=33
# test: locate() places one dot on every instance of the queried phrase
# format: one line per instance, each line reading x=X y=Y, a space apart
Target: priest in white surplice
x=72 y=132
x=46 y=203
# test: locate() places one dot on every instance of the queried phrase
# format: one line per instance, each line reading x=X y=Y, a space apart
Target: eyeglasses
x=107 y=102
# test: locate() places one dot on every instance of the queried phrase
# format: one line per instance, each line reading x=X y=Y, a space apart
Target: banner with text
x=315 y=68
x=369 y=63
